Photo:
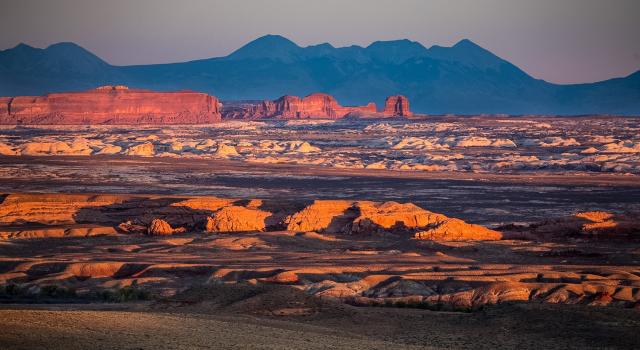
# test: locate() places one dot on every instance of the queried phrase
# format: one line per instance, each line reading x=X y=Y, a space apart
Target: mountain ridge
x=464 y=78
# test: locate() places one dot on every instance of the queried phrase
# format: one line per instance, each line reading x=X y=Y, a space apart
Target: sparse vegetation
x=20 y=293
x=413 y=304
x=122 y=295
x=16 y=292
x=53 y=291
x=11 y=290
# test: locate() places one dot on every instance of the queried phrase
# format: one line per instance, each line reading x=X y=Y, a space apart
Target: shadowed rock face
x=591 y=224
x=111 y=105
x=316 y=105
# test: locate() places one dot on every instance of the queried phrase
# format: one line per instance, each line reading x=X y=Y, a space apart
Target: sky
x=561 y=41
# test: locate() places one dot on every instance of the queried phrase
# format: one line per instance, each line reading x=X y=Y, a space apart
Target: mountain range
x=464 y=78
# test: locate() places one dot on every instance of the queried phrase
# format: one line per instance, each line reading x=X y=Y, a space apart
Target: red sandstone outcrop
x=159 y=227
x=397 y=106
x=330 y=216
x=316 y=105
x=364 y=217
x=389 y=216
x=164 y=216
x=111 y=105
x=237 y=219
x=457 y=230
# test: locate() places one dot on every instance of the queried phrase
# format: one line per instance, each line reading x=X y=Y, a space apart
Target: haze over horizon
x=567 y=41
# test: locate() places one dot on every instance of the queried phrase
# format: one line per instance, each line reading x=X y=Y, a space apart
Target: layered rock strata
x=316 y=105
x=116 y=105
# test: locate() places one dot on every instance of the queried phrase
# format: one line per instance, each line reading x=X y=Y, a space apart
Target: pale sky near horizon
x=561 y=41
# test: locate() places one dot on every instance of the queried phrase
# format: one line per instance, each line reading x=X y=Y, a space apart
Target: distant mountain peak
x=272 y=39
x=463 y=78
x=20 y=49
x=65 y=45
x=72 y=53
x=321 y=46
x=395 y=51
x=267 y=46
x=22 y=46
x=399 y=43
x=466 y=43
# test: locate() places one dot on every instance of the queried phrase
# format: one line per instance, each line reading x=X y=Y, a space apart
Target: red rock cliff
x=397 y=105
x=111 y=105
x=316 y=105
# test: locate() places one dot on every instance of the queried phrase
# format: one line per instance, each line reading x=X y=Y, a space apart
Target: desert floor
x=139 y=326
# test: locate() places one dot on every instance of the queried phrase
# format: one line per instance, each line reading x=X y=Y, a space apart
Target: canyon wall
x=111 y=105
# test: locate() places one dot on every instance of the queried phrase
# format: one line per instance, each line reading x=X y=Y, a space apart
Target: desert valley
x=327 y=196
x=307 y=212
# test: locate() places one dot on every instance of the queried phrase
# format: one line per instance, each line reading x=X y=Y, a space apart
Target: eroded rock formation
x=365 y=217
x=111 y=105
x=317 y=105
x=344 y=260
x=592 y=224
x=164 y=216
x=237 y=219
x=322 y=215
x=397 y=106
x=116 y=105
x=159 y=227
x=452 y=229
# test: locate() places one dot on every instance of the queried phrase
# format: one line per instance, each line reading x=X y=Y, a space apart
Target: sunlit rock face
x=317 y=105
x=111 y=105
x=159 y=227
x=397 y=106
x=366 y=217
x=162 y=216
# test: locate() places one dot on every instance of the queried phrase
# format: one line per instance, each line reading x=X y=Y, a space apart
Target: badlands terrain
x=507 y=169
x=146 y=271
x=523 y=145
x=429 y=232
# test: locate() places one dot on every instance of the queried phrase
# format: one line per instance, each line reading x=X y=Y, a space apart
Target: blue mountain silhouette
x=464 y=78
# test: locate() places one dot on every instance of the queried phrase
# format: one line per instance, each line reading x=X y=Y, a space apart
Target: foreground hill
x=464 y=78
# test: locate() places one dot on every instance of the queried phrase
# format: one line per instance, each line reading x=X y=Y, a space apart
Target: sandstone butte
x=119 y=105
x=397 y=105
x=317 y=105
x=111 y=105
